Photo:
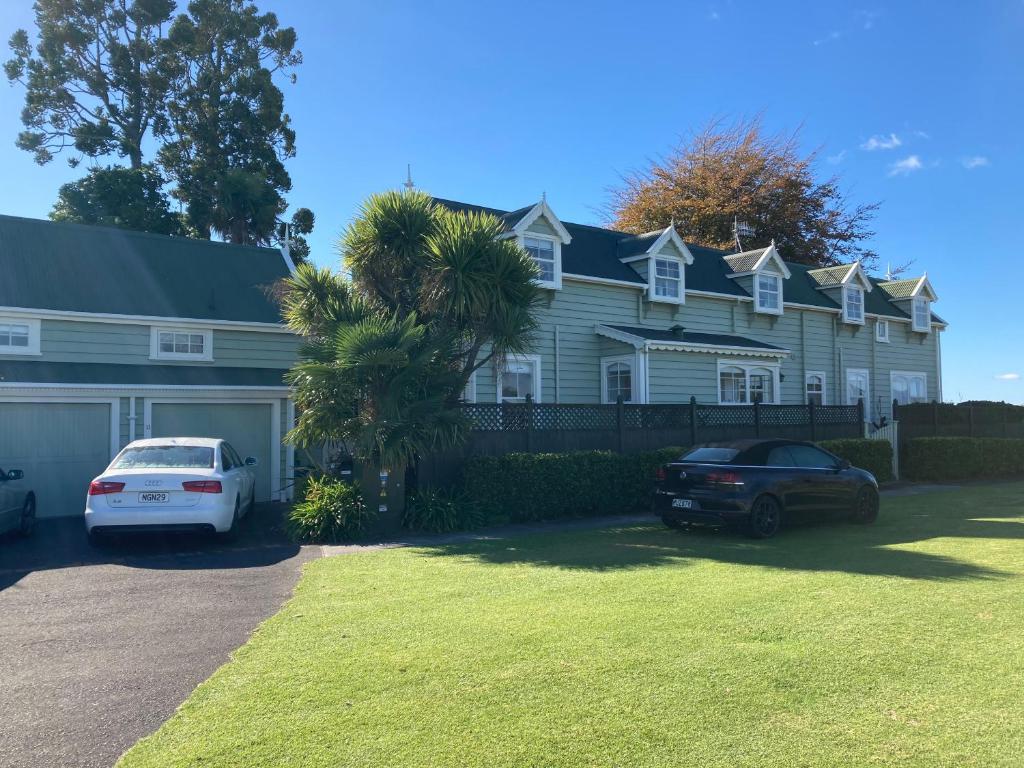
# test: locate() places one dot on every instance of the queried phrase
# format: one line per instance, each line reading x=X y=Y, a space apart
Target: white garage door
x=247 y=426
x=59 y=446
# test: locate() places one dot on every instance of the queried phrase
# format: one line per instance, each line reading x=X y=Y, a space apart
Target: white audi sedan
x=172 y=484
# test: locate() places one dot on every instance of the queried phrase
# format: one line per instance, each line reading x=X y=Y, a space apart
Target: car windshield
x=711 y=455
x=157 y=456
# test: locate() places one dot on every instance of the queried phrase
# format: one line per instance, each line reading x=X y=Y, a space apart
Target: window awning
x=681 y=340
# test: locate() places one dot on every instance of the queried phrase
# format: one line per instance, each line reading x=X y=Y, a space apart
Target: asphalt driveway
x=99 y=647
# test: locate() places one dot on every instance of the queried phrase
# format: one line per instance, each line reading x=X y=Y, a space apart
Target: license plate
x=153 y=497
x=682 y=504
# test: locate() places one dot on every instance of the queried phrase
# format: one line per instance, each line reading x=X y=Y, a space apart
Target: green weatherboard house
x=108 y=335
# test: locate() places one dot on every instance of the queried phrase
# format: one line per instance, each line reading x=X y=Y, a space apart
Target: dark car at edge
x=757 y=485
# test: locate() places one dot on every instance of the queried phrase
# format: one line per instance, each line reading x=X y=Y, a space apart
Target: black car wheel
x=232 y=533
x=674 y=524
x=765 y=518
x=865 y=510
x=28 y=517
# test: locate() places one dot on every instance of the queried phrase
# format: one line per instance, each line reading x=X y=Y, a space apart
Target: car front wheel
x=765 y=518
x=28 y=517
x=865 y=509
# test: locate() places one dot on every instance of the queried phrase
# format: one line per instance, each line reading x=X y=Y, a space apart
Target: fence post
x=620 y=420
x=860 y=414
x=693 y=420
x=529 y=423
x=812 y=419
x=895 y=409
x=935 y=418
x=970 y=421
x=757 y=418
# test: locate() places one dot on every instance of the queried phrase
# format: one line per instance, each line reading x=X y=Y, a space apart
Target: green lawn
x=897 y=644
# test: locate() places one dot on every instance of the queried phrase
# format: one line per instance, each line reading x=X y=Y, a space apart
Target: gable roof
x=83 y=268
x=842 y=274
x=908 y=289
x=596 y=252
x=756 y=260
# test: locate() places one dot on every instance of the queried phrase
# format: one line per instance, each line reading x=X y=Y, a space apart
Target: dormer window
x=922 y=315
x=668 y=280
x=768 y=294
x=542 y=251
x=19 y=336
x=853 y=305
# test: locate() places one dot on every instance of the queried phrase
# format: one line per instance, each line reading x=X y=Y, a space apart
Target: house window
x=742 y=384
x=815 y=388
x=858 y=388
x=618 y=381
x=882 y=331
x=853 y=304
x=19 y=337
x=668 y=279
x=519 y=377
x=922 y=315
x=181 y=344
x=909 y=387
x=769 y=294
x=543 y=253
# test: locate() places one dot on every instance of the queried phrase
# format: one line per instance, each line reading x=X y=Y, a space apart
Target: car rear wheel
x=28 y=517
x=865 y=510
x=674 y=524
x=232 y=533
x=765 y=518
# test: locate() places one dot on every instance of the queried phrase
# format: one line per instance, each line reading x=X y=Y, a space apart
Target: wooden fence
x=944 y=420
x=559 y=428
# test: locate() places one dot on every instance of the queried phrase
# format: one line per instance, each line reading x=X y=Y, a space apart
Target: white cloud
x=837 y=158
x=1008 y=376
x=868 y=18
x=906 y=166
x=882 y=142
x=831 y=37
x=922 y=134
x=975 y=161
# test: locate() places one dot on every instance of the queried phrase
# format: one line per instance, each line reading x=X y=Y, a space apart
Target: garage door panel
x=247 y=426
x=61 y=447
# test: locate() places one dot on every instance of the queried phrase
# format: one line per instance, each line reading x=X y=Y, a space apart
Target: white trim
x=747 y=366
x=670 y=235
x=103 y=317
x=289 y=454
x=113 y=402
x=846 y=309
x=824 y=385
x=542 y=209
x=882 y=338
x=855 y=269
x=631 y=361
x=757 y=293
x=923 y=284
x=469 y=391
x=770 y=254
x=534 y=360
x=276 y=494
x=639 y=342
x=603 y=280
x=867 y=391
x=914 y=326
x=154 y=344
x=132 y=417
x=938 y=366
x=121 y=390
x=923 y=375
x=556 y=251
x=652 y=277
x=33 y=324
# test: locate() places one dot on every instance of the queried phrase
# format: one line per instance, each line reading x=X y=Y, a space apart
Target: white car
x=172 y=483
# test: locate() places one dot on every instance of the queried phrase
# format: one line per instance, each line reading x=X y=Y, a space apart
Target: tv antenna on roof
x=740 y=229
x=408 y=177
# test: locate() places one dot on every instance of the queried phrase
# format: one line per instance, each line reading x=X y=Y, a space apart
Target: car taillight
x=724 y=478
x=660 y=474
x=101 y=487
x=202 y=486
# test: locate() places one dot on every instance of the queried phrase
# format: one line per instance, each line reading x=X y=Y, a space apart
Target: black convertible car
x=755 y=484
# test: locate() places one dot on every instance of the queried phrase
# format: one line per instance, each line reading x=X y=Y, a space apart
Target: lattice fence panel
x=574 y=417
x=836 y=414
x=725 y=415
x=784 y=415
x=657 y=417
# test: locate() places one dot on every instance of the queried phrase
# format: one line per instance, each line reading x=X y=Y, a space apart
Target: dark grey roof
x=38 y=372
x=81 y=268
x=637 y=244
x=693 y=337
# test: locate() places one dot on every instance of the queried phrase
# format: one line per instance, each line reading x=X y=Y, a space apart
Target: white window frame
x=154 y=344
x=915 y=302
x=652 y=280
x=909 y=375
x=556 y=247
x=758 y=307
x=748 y=367
x=534 y=360
x=33 y=324
x=882 y=331
x=847 y=317
x=824 y=385
x=867 y=390
x=629 y=360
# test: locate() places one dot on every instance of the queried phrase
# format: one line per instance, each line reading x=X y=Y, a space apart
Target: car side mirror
x=15 y=474
x=251 y=461
x=843 y=464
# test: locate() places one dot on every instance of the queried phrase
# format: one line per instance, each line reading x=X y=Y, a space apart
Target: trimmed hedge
x=520 y=487
x=873 y=455
x=963 y=458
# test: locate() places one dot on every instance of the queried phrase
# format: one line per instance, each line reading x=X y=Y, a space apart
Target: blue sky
x=916 y=105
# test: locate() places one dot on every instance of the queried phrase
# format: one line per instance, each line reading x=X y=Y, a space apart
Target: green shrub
x=331 y=511
x=520 y=487
x=440 y=512
x=873 y=455
x=963 y=458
